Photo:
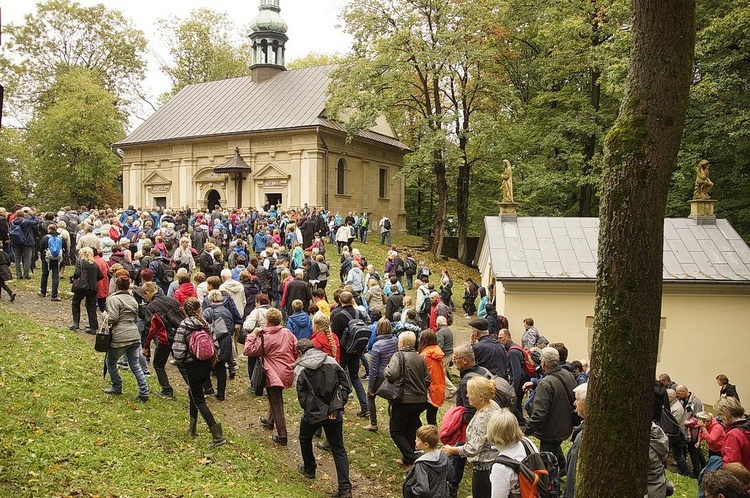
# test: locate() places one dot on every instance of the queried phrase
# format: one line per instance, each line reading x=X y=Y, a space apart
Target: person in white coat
x=506 y=437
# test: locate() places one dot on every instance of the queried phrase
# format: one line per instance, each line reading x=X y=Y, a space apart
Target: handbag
x=103 y=340
x=393 y=391
x=258 y=377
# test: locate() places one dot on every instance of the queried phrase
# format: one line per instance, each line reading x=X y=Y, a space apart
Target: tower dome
x=269 y=18
x=268 y=41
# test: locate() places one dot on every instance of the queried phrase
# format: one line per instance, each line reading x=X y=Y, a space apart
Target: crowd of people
x=157 y=279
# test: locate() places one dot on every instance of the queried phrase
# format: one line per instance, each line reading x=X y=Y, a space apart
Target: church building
x=265 y=138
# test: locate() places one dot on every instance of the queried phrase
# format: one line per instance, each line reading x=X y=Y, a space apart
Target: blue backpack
x=54 y=247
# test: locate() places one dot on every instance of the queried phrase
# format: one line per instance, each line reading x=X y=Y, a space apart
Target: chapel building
x=262 y=139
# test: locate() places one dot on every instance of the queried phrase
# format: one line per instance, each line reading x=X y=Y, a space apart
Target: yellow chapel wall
x=706 y=329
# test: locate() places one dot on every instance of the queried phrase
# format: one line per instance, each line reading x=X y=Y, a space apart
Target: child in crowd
x=428 y=477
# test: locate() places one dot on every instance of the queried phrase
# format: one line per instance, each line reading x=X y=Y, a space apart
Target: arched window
x=340 y=171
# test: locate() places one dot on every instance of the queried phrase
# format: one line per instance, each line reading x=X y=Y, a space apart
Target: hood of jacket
x=313 y=359
x=232 y=287
x=434 y=352
x=434 y=459
x=191 y=323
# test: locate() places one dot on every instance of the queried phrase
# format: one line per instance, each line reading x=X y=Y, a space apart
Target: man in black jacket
x=551 y=414
x=516 y=370
x=206 y=259
x=163 y=315
x=322 y=390
x=350 y=363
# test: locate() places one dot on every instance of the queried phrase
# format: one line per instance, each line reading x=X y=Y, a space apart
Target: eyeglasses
x=459 y=358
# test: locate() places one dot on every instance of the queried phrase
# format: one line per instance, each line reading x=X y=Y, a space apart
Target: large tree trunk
x=640 y=155
x=589 y=150
x=441 y=186
x=462 y=212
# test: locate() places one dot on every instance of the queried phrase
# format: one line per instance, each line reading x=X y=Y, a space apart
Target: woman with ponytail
x=194 y=371
x=323 y=338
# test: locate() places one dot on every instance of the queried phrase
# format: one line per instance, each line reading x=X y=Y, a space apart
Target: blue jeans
x=363 y=235
x=459 y=464
x=133 y=354
x=335 y=438
x=350 y=364
x=51 y=266
x=678 y=452
x=410 y=282
x=385 y=236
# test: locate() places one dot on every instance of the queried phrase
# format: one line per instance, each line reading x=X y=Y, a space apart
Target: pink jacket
x=278 y=357
x=714 y=436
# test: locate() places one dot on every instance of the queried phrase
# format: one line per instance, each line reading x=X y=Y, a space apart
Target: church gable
x=156 y=178
x=272 y=171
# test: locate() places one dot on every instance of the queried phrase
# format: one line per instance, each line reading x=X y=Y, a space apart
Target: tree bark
x=462 y=210
x=441 y=185
x=640 y=156
x=589 y=150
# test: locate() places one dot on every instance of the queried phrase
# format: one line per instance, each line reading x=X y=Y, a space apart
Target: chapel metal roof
x=566 y=249
x=289 y=100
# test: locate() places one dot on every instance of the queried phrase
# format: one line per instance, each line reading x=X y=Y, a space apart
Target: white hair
x=441 y=320
x=299 y=271
x=182 y=270
x=226 y=273
x=408 y=338
x=580 y=391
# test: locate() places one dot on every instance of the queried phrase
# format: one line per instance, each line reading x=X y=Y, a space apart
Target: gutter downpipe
x=325 y=168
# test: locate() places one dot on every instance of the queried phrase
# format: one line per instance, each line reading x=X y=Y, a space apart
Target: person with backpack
x=196 y=371
x=275 y=344
x=580 y=393
x=471 y=290
x=736 y=447
x=481 y=394
x=385 y=230
x=520 y=369
x=222 y=325
x=122 y=314
x=52 y=247
x=21 y=236
x=343 y=323
x=163 y=271
x=364 y=224
x=381 y=351
x=84 y=286
x=513 y=448
x=162 y=315
x=437 y=308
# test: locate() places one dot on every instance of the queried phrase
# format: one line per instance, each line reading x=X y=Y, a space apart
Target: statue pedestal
x=508 y=211
x=702 y=211
x=702 y=208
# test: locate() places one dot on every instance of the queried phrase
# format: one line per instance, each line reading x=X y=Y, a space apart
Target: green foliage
x=14 y=163
x=314 y=59
x=72 y=136
x=718 y=115
x=63 y=35
x=204 y=47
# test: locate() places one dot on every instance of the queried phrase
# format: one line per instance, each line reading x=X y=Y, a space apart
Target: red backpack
x=528 y=366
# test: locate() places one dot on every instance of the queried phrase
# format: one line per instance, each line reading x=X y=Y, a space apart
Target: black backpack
x=356 y=336
x=387 y=224
x=410 y=267
x=166 y=272
x=505 y=395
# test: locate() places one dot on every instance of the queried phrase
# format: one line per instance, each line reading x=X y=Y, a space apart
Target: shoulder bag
x=258 y=377
x=394 y=391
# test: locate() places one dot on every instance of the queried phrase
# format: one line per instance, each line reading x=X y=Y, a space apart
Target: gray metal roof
x=566 y=248
x=291 y=99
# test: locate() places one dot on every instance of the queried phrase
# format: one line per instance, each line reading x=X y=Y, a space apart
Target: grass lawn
x=63 y=437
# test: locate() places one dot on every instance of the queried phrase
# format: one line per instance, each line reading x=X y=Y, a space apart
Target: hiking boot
x=342 y=493
x=309 y=475
x=56 y=299
x=162 y=394
x=323 y=445
x=363 y=413
x=73 y=327
x=13 y=298
x=143 y=398
x=111 y=390
x=193 y=429
x=371 y=428
x=218 y=435
x=279 y=440
x=41 y=294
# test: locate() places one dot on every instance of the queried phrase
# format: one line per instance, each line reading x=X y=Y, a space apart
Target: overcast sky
x=312 y=24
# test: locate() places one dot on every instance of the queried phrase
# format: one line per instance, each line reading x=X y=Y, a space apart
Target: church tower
x=268 y=41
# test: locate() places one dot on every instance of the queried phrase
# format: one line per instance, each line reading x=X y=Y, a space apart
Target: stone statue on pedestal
x=507 y=188
x=703 y=183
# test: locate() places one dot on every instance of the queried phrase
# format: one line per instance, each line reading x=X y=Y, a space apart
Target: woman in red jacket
x=186 y=288
x=323 y=338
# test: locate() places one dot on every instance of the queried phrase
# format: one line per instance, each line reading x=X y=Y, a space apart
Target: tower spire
x=268 y=40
